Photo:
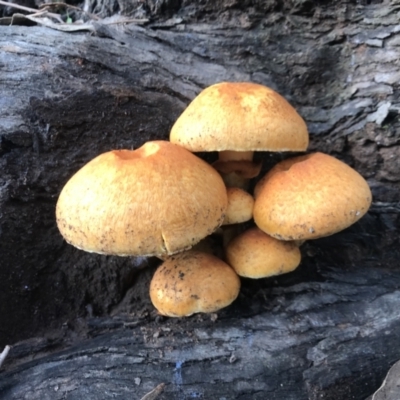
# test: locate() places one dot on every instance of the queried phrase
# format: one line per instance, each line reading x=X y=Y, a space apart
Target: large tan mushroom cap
x=156 y=200
x=193 y=282
x=310 y=196
x=254 y=254
x=240 y=116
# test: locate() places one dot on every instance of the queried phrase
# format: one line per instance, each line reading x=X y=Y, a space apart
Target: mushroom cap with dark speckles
x=254 y=254
x=193 y=282
x=309 y=197
x=159 y=199
x=240 y=116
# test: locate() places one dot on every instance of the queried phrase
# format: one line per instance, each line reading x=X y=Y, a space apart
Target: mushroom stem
x=229 y=155
x=235 y=178
x=237 y=173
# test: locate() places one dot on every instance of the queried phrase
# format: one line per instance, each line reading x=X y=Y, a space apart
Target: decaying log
x=329 y=329
x=332 y=339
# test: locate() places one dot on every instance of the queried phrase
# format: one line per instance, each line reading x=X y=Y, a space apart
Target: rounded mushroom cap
x=309 y=197
x=240 y=206
x=193 y=282
x=254 y=254
x=156 y=200
x=240 y=116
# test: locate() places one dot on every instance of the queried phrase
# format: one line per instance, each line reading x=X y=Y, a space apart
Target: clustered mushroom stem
x=236 y=178
x=228 y=155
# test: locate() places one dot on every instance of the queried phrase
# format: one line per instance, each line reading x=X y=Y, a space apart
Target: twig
x=44 y=13
x=154 y=393
x=128 y=21
x=4 y=354
x=62 y=4
x=5 y=3
x=35 y=12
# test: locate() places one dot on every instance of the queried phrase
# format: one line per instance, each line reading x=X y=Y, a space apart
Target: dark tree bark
x=329 y=329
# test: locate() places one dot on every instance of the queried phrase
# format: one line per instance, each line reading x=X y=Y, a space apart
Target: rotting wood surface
x=331 y=340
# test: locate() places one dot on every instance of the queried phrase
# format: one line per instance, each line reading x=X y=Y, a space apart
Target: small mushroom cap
x=254 y=254
x=309 y=197
x=156 y=200
x=240 y=116
x=240 y=206
x=193 y=282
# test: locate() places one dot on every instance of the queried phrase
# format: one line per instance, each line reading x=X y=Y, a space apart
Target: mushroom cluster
x=163 y=200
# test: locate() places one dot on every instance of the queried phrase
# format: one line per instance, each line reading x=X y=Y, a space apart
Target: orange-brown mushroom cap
x=240 y=116
x=156 y=200
x=193 y=282
x=254 y=254
x=310 y=196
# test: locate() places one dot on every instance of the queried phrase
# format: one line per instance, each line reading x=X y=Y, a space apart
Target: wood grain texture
x=331 y=339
